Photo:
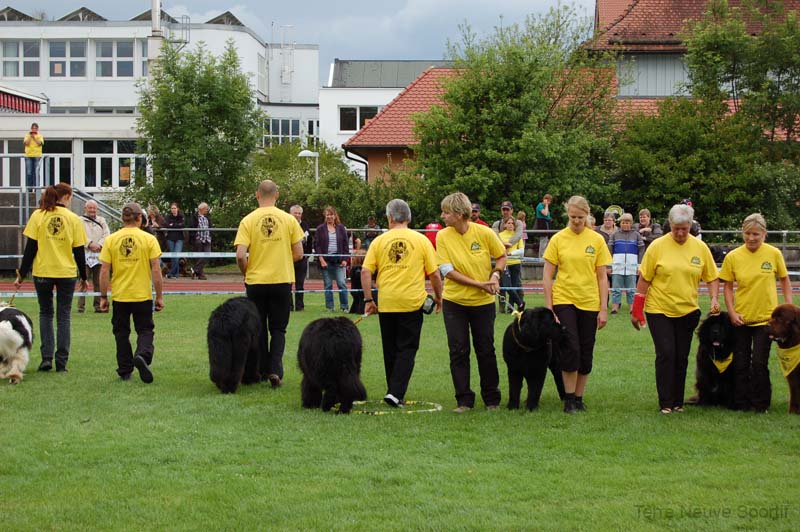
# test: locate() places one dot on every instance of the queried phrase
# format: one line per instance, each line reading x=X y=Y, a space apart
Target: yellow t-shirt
x=56 y=232
x=269 y=233
x=505 y=236
x=755 y=275
x=577 y=256
x=470 y=254
x=33 y=149
x=674 y=272
x=403 y=259
x=129 y=252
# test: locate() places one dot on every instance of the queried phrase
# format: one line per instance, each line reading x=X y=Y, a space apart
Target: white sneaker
x=392 y=401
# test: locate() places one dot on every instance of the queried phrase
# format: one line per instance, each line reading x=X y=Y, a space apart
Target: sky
x=354 y=29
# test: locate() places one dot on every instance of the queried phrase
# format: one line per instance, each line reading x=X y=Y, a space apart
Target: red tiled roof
x=394 y=126
x=655 y=25
x=607 y=11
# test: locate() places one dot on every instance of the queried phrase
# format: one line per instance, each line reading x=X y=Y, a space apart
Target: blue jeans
x=620 y=283
x=175 y=246
x=65 y=288
x=32 y=171
x=338 y=273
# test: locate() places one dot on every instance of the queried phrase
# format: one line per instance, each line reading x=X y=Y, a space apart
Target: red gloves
x=637 y=312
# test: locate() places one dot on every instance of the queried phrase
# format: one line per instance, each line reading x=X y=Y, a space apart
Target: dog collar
x=788 y=359
x=518 y=316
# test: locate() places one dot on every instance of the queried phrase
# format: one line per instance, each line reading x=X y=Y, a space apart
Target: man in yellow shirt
x=133 y=255
x=402 y=260
x=274 y=241
x=33 y=142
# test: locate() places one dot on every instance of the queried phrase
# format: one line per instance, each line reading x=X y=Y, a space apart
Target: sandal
x=678 y=409
x=666 y=410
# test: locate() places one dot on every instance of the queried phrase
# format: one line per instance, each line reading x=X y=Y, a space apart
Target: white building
x=87 y=69
x=357 y=90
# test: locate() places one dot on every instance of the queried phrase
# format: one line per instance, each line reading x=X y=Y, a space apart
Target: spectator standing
x=475 y=216
x=578 y=296
x=176 y=223
x=301 y=266
x=646 y=227
x=96 y=232
x=274 y=241
x=331 y=245
x=522 y=217
x=507 y=211
x=402 y=259
x=133 y=256
x=511 y=294
x=543 y=222
x=33 y=142
x=627 y=249
x=371 y=232
x=54 y=249
x=201 y=238
x=667 y=295
x=753 y=268
x=609 y=226
x=466 y=250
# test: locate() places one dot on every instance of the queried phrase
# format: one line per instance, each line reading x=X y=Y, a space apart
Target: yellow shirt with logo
x=755 y=274
x=33 y=149
x=505 y=236
x=470 y=254
x=577 y=256
x=674 y=272
x=269 y=233
x=403 y=259
x=56 y=232
x=129 y=252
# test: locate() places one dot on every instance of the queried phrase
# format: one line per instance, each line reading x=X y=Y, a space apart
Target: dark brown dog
x=784 y=328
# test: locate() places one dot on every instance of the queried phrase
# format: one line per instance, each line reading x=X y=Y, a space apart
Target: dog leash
x=11 y=301
x=360 y=318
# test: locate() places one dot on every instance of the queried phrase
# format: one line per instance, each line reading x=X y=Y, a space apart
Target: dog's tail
x=350 y=386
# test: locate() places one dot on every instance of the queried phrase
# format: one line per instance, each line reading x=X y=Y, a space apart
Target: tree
x=199 y=126
x=529 y=113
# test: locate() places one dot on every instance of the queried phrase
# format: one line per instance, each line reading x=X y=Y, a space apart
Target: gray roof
x=10 y=14
x=379 y=74
x=82 y=14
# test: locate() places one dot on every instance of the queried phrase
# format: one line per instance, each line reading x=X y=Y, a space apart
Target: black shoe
x=125 y=377
x=46 y=365
x=570 y=406
x=579 y=406
x=144 y=370
x=62 y=369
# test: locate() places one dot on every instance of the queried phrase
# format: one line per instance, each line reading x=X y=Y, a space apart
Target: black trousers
x=272 y=301
x=300 y=272
x=400 y=332
x=577 y=348
x=200 y=264
x=672 y=338
x=750 y=362
x=142 y=313
x=459 y=321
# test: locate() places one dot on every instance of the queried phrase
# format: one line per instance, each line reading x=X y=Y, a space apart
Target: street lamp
x=315 y=155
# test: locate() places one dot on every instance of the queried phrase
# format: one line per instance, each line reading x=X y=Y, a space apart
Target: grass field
x=85 y=451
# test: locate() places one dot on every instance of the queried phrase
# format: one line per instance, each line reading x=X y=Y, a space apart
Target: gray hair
x=398 y=210
x=296 y=208
x=90 y=202
x=681 y=214
x=203 y=205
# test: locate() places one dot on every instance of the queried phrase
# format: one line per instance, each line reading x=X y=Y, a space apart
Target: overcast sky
x=354 y=29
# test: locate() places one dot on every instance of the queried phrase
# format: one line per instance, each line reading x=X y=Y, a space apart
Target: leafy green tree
x=528 y=114
x=199 y=126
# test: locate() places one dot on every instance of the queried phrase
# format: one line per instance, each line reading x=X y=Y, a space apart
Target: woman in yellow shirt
x=578 y=297
x=753 y=267
x=466 y=250
x=55 y=247
x=667 y=292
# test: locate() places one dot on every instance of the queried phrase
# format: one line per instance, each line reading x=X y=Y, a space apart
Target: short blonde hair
x=646 y=212
x=579 y=202
x=457 y=203
x=754 y=221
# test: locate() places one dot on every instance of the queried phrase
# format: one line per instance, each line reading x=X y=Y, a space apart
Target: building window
x=67 y=59
x=143 y=50
x=109 y=163
x=354 y=118
x=20 y=59
x=114 y=59
x=281 y=130
x=262 y=75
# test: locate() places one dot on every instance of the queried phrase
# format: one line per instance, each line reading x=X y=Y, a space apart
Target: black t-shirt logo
x=127 y=246
x=268 y=225
x=397 y=251
x=55 y=226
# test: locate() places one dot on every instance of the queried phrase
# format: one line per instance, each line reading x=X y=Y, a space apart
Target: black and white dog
x=16 y=338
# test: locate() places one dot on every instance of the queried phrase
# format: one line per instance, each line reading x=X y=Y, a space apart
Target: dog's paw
x=14 y=379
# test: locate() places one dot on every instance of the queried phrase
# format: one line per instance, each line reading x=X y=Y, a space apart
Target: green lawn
x=85 y=451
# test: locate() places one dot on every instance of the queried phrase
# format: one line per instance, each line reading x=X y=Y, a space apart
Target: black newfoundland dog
x=329 y=356
x=715 y=375
x=234 y=336
x=530 y=347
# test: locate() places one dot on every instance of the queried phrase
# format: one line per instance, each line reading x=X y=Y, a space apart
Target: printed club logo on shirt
x=590 y=250
x=766 y=266
x=475 y=246
x=127 y=246
x=55 y=226
x=268 y=226
x=696 y=260
x=398 y=251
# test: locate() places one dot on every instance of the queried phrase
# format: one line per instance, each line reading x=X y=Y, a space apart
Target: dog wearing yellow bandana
x=716 y=382
x=784 y=329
